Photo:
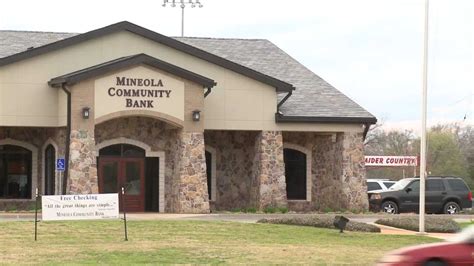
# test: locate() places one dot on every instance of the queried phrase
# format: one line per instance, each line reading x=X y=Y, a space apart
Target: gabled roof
x=313 y=100
x=128 y=61
x=180 y=46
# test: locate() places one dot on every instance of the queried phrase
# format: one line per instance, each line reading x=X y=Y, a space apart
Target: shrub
x=236 y=210
x=250 y=210
x=320 y=221
x=327 y=209
x=11 y=208
x=270 y=210
x=432 y=224
x=283 y=209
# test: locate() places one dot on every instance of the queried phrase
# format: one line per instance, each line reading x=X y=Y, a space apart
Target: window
x=122 y=150
x=388 y=184
x=15 y=172
x=415 y=186
x=49 y=170
x=457 y=185
x=295 y=174
x=209 y=173
x=373 y=186
x=434 y=185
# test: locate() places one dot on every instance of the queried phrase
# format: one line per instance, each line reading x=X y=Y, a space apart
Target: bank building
x=186 y=125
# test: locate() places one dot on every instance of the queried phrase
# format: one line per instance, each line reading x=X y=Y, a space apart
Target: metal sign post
x=122 y=193
x=36 y=214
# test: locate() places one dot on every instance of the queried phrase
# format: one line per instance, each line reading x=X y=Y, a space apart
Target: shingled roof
x=313 y=99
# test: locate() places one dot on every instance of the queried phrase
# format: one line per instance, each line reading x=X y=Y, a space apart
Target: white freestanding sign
x=80 y=207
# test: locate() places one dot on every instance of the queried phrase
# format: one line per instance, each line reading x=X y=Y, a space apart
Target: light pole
x=182 y=4
x=423 y=124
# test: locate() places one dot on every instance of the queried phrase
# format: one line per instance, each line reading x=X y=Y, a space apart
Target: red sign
x=391 y=160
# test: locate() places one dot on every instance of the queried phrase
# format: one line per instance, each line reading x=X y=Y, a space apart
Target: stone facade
x=249 y=169
x=354 y=188
x=249 y=165
x=36 y=137
x=82 y=177
x=155 y=133
x=235 y=152
x=268 y=186
x=190 y=184
x=337 y=171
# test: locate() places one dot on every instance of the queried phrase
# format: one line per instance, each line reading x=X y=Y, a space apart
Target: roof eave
x=279 y=85
x=117 y=64
x=324 y=119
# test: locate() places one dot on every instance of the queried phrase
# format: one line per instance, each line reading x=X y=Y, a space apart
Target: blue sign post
x=60 y=164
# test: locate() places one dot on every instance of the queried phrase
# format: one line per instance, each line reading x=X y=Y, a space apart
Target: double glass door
x=115 y=173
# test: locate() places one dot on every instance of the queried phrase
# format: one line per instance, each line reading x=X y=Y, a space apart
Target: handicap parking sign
x=60 y=164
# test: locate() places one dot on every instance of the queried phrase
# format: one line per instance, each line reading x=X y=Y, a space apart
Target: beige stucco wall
x=237 y=102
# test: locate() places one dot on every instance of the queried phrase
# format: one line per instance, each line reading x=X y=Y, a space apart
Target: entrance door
x=115 y=173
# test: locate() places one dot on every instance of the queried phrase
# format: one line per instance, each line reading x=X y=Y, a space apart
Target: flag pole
x=423 y=125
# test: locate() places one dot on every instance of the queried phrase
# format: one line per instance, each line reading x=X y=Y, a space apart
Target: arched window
x=49 y=170
x=209 y=173
x=15 y=172
x=295 y=174
x=122 y=150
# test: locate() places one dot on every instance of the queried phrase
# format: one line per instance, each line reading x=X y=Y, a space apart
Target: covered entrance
x=123 y=165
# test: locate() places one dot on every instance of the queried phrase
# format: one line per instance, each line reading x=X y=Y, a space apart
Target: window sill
x=298 y=200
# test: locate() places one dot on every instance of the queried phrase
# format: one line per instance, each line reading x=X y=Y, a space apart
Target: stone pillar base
x=269 y=186
x=192 y=178
x=82 y=178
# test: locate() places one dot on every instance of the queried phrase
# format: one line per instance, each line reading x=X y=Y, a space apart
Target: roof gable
x=180 y=46
x=125 y=62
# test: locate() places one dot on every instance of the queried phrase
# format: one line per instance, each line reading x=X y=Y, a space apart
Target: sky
x=371 y=50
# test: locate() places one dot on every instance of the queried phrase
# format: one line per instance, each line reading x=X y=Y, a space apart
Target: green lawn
x=466 y=224
x=87 y=242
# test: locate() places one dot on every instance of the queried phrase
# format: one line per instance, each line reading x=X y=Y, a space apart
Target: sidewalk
x=388 y=230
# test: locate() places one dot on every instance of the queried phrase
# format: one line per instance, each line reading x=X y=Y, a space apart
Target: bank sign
x=80 y=207
x=391 y=160
x=139 y=89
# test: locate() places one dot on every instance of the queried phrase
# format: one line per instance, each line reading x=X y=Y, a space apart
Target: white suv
x=379 y=185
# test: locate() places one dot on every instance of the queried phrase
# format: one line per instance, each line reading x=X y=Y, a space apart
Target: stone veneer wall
x=82 y=177
x=235 y=152
x=268 y=181
x=337 y=172
x=37 y=137
x=190 y=182
x=353 y=177
x=157 y=134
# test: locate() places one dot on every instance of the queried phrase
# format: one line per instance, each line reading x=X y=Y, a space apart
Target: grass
x=190 y=242
x=466 y=224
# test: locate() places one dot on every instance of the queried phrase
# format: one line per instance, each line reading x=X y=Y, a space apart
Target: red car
x=457 y=251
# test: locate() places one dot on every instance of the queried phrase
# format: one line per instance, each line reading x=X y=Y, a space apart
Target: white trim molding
x=57 y=180
x=34 y=161
x=213 y=153
x=309 y=177
x=148 y=153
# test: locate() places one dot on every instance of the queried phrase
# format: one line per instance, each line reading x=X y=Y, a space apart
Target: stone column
x=269 y=187
x=82 y=163
x=191 y=181
x=350 y=147
x=82 y=177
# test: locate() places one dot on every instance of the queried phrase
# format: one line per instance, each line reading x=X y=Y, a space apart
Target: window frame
x=309 y=177
x=33 y=167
